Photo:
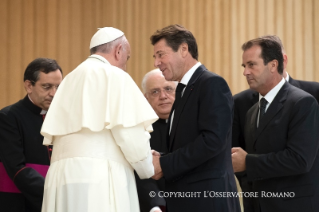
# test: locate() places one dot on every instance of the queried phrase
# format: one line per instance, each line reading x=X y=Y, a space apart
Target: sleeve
x=214 y=126
x=300 y=149
x=237 y=134
x=135 y=145
x=144 y=187
x=27 y=180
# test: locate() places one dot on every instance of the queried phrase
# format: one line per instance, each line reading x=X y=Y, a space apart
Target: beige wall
x=62 y=29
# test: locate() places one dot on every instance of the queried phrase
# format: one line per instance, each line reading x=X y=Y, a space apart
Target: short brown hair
x=174 y=36
x=270 y=50
x=274 y=38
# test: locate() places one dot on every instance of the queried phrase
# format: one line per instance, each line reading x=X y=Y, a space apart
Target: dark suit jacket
x=21 y=143
x=246 y=99
x=282 y=152
x=243 y=101
x=144 y=187
x=200 y=143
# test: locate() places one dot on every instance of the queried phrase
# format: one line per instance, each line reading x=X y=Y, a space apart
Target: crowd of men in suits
x=267 y=135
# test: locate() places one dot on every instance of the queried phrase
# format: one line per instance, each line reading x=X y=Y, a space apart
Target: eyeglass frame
x=46 y=87
x=159 y=91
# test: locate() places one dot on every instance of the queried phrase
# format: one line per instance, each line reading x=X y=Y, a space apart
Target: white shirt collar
x=287 y=78
x=272 y=93
x=189 y=74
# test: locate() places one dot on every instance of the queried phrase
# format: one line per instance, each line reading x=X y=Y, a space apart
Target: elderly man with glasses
x=161 y=96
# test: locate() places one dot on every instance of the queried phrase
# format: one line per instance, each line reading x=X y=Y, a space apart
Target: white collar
x=189 y=74
x=273 y=92
x=42 y=111
x=287 y=78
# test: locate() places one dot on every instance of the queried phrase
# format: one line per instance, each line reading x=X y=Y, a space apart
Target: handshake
x=158 y=174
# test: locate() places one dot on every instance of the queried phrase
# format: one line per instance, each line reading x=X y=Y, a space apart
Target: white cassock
x=98 y=124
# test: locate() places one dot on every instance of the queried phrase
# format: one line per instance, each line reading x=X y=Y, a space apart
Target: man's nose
x=157 y=63
x=53 y=90
x=246 y=71
x=163 y=94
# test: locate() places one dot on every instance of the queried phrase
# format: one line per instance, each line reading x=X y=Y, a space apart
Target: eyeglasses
x=157 y=92
x=47 y=87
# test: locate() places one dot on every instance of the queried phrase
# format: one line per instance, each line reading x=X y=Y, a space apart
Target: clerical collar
x=43 y=112
x=164 y=121
x=33 y=107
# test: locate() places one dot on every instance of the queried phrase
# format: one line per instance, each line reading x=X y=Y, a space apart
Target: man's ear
x=183 y=48
x=146 y=96
x=273 y=66
x=28 y=86
x=118 y=51
x=285 y=61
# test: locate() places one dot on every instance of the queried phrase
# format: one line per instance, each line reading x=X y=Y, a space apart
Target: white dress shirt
x=185 y=81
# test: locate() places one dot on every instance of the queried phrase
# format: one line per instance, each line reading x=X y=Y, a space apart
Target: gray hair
x=147 y=75
x=151 y=73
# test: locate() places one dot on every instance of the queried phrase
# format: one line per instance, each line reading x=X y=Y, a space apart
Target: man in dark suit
x=161 y=95
x=244 y=100
x=281 y=135
x=198 y=166
x=24 y=159
x=247 y=98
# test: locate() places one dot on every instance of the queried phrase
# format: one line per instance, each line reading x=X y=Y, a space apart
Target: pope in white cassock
x=98 y=124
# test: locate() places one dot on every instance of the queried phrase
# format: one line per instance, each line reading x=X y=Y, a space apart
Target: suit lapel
x=178 y=111
x=273 y=109
x=252 y=128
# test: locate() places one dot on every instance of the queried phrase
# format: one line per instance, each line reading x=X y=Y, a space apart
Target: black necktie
x=262 y=108
x=178 y=94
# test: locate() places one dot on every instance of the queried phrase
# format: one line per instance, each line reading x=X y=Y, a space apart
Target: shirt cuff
x=144 y=168
x=155 y=208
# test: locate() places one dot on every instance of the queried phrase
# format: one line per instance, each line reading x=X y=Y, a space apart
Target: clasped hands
x=158 y=174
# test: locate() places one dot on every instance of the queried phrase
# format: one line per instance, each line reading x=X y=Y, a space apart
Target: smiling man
x=24 y=160
x=199 y=139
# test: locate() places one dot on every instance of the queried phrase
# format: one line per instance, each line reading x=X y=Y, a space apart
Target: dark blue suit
x=243 y=101
x=282 y=152
x=199 y=146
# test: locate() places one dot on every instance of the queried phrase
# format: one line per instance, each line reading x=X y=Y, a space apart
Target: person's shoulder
x=309 y=83
x=12 y=112
x=11 y=108
x=209 y=76
x=298 y=94
x=95 y=68
x=246 y=94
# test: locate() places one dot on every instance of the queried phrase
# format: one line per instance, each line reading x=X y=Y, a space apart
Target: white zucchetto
x=105 y=35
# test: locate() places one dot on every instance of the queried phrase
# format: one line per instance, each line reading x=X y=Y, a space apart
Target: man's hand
x=155 y=153
x=158 y=174
x=238 y=159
